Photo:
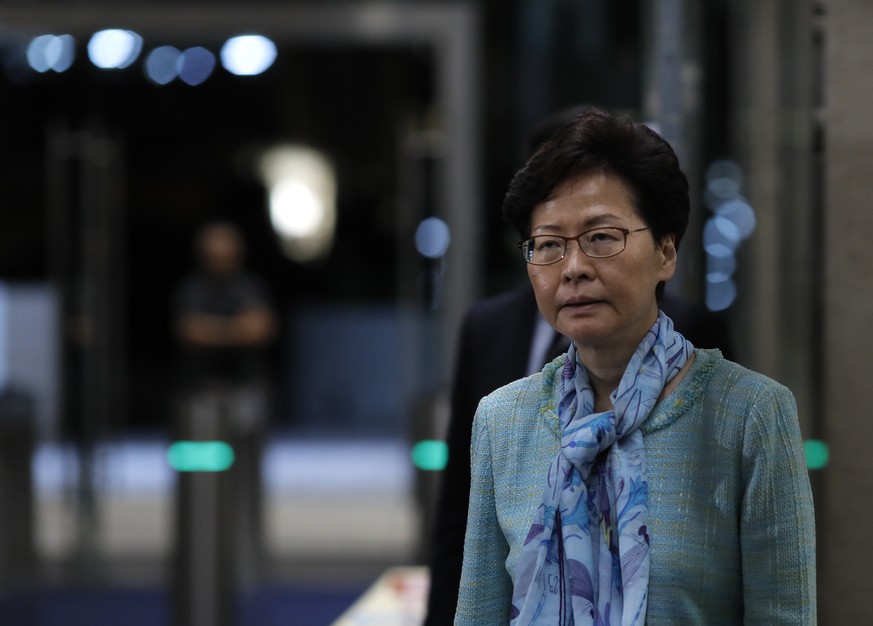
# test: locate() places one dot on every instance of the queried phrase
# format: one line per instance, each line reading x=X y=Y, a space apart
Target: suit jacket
x=493 y=350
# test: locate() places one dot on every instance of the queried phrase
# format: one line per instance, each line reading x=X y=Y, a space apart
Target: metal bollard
x=203 y=581
x=17 y=555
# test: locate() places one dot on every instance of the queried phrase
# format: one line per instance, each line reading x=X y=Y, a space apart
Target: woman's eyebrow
x=595 y=221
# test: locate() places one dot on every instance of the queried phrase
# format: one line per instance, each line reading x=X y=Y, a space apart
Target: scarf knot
x=582 y=445
x=586 y=558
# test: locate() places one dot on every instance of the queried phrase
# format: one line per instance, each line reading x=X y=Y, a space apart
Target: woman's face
x=607 y=303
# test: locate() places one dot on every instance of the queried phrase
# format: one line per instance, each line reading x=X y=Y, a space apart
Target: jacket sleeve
x=777 y=527
x=486 y=589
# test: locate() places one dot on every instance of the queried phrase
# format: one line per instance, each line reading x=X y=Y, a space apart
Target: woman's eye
x=548 y=244
x=602 y=236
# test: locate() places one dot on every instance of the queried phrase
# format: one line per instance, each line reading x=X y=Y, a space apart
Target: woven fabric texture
x=730 y=507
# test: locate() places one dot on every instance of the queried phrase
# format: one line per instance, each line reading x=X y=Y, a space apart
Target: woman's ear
x=668 y=252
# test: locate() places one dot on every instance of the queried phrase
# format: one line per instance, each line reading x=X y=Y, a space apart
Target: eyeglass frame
x=578 y=239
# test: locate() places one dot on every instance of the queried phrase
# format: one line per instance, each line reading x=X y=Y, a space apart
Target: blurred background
x=361 y=151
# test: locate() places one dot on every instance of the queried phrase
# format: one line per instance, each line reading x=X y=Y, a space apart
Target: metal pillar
x=17 y=434
x=85 y=188
x=203 y=568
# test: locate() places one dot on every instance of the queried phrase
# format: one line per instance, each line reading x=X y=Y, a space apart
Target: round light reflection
x=51 y=52
x=196 y=65
x=725 y=169
x=248 y=55
x=739 y=213
x=432 y=238
x=306 y=210
x=720 y=260
x=161 y=64
x=302 y=192
x=720 y=294
x=114 y=48
x=719 y=230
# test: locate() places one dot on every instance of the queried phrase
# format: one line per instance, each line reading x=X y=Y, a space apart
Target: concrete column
x=673 y=99
x=772 y=137
x=847 y=255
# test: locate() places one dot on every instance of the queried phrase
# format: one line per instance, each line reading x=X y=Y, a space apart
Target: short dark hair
x=596 y=141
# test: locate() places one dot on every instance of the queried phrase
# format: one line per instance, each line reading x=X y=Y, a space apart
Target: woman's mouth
x=581 y=304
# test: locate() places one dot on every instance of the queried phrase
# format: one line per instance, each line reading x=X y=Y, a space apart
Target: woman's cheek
x=545 y=288
x=540 y=283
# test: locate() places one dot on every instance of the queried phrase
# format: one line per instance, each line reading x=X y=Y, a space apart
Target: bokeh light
x=301 y=185
x=196 y=65
x=430 y=455
x=720 y=294
x=724 y=179
x=162 y=65
x=733 y=221
x=720 y=262
x=817 y=453
x=114 y=48
x=248 y=55
x=432 y=238
x=719 y=230
x=739 y=213
x=304 y=211
x=51 y=52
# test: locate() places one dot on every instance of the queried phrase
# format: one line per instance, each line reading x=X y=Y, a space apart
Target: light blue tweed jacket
x=730 y=506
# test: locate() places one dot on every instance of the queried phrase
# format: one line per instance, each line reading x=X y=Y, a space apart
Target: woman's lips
x=581 y=304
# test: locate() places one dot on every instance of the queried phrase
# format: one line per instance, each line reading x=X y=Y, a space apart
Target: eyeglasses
x=597 y=243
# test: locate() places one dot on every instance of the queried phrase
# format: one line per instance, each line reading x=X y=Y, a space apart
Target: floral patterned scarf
x=586 y=558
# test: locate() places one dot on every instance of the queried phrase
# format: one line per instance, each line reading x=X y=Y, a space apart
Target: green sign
x=817 y=453
x=200 y=456
x=430 y=455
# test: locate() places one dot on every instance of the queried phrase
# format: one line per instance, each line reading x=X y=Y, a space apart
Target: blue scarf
x=586 y=557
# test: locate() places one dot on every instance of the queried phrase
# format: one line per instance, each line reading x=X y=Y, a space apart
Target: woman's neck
x=604 y=374
x=606 y=370
x=606 y=362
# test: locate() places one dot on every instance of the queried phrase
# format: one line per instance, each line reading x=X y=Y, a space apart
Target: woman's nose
x=576 y=264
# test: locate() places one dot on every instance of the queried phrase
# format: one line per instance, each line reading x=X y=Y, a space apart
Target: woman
x=636 y=479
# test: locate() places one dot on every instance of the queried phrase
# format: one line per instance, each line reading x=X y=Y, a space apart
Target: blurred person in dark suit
x=502 y=339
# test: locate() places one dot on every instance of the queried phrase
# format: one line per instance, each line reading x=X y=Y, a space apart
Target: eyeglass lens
x=597 y=243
